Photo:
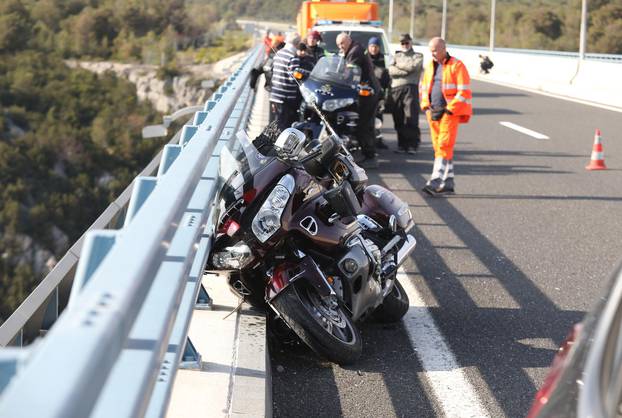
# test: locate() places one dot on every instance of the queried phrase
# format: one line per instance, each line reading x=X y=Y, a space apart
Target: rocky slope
x=172 y=94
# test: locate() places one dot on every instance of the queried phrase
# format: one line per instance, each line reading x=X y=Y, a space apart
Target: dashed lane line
x=524 y=130
x=449 y=384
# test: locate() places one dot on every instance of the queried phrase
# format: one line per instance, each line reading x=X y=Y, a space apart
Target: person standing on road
x=354 y=54
x=284 y=91
x=382 y=74
x=405 y=72
x=314 y=50
x=446 y=99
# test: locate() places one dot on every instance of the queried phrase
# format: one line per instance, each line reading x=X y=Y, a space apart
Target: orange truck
x=314 y=11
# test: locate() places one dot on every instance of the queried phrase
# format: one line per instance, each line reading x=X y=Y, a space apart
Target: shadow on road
x=492 y=340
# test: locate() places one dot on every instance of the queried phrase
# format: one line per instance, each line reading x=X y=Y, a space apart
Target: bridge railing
x=115 y=349
x=34 y=317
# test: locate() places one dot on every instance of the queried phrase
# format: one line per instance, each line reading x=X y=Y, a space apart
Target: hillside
x=70 y=140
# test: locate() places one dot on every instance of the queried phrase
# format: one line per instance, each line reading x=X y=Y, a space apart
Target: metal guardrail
x=573 y=55
x=38 y=312
x=114 y=351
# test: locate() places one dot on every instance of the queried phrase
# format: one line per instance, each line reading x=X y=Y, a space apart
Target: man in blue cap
x=382 y=74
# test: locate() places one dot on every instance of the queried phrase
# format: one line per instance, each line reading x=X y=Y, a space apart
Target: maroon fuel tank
x=380 y=203
x=307 y=213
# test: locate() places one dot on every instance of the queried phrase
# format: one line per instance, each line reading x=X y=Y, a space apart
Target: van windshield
x=329 y=40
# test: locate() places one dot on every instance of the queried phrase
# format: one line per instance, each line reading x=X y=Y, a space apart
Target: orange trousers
x=444 y=133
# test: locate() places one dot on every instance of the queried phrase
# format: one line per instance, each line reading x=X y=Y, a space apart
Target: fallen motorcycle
x=300 y=231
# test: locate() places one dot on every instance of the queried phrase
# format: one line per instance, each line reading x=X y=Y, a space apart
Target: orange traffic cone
x=597 y=162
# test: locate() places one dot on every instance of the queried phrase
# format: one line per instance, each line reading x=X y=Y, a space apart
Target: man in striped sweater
x=284 y=93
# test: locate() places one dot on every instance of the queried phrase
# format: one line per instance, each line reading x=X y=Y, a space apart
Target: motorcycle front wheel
x=394 y=306
x=320 y=323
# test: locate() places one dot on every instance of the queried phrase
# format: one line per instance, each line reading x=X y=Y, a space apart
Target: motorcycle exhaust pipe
x=406 y=249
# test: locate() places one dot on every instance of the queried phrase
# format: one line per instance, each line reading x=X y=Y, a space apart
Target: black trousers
x=366 y=134
x=406 y=115
x=285 y=113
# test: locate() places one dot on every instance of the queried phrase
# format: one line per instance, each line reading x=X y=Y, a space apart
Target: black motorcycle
x=334 y=87
x=299 y=230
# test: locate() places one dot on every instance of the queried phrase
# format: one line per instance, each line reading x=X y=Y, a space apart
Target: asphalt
x=506 y=266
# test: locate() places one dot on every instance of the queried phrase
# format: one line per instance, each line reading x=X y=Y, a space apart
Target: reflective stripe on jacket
x=456 y=88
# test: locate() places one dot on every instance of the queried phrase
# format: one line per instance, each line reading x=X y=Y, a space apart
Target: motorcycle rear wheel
x=394 y=306
x=320 y=323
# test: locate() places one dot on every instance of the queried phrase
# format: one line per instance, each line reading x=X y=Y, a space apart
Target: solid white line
x=525 y=131
x=453 y=392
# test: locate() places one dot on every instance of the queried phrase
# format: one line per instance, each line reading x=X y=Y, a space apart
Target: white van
x=360 y=32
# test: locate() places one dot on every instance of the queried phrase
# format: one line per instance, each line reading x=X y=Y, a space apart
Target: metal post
x=582 y=37
x=390 y=20
x=492 y=25
x=412 y=18
x=444 y=21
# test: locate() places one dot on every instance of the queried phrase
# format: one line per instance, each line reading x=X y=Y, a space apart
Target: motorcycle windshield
x=238 y=165
x=335 y=70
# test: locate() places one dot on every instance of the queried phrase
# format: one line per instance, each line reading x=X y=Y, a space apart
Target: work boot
x=447 y=187
x=432 y=186
x=369 y=163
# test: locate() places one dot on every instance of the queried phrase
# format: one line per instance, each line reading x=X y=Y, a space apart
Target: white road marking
x=452 y=390
x=523 y=130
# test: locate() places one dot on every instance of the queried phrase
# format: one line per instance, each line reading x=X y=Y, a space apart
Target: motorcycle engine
x=373 y=253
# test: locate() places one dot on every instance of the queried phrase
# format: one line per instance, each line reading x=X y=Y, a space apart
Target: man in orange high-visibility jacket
x=446 y=99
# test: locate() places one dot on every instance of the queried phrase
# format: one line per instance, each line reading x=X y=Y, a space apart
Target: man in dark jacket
x=405 y=73
x=382 y=74
x=313 y=49
x=354 y=54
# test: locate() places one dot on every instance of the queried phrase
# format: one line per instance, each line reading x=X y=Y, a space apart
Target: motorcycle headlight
x=235 y=257
x=308 y=95
x=268 y=218
x=334 y=104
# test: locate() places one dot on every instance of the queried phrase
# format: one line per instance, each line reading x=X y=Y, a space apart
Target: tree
x=15 y=26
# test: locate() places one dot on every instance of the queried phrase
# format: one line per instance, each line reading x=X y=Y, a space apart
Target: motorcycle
x=334 y=87
x=300 y=231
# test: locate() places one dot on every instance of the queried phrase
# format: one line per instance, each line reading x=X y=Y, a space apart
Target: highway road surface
x=501 y=272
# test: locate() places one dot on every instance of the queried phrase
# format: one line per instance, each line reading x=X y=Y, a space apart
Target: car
x=585 y=379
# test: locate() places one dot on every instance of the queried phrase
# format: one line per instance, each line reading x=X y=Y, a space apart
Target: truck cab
x=360 y=32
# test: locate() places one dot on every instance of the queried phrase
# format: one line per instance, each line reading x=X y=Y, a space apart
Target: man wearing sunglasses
x=405 y=72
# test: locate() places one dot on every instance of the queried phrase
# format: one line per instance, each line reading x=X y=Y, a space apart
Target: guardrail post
x=204 y=302
x=191 y=359
x=199 y=117
x=187 y=132
x=97 y=245
x=10 y=359
x=169 y=154
x=209 y=105
x=51 y=311
x=143 y=186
